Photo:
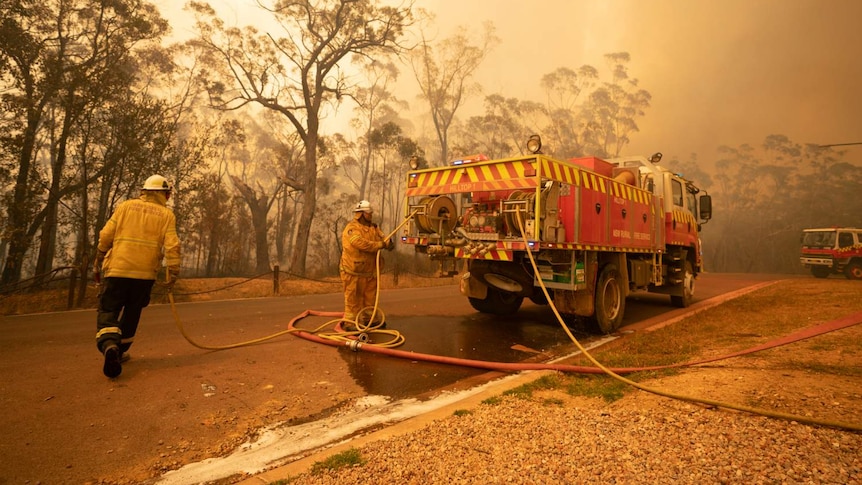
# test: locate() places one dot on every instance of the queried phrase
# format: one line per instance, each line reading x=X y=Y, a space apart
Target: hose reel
x=436 y=215
x=519 y=204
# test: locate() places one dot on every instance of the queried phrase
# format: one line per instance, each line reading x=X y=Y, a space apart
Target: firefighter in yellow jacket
x=360 y=242
x=130 y=250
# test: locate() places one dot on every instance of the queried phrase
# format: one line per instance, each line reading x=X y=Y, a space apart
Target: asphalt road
x=63 y=422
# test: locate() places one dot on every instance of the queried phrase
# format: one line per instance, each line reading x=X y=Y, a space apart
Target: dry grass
x=739 y=324
x=208 y=289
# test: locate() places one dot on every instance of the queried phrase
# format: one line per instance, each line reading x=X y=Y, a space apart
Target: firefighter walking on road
x=129 y=254
x=360 y=241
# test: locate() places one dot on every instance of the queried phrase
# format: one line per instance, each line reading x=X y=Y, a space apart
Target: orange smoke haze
x=721 y=72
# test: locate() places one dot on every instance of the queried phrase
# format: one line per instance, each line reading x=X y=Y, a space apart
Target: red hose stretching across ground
x=847 y=321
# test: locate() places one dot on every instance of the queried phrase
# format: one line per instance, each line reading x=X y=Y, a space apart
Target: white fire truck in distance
x=832 y=250
x=597 y=229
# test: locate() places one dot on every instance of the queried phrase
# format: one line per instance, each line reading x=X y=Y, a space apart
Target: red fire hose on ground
x=358 y=340
x=358 y=345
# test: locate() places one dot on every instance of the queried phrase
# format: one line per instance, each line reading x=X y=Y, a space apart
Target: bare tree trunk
x=309 y=202
x=212 y=252
x=259 y=206
x=18 y=211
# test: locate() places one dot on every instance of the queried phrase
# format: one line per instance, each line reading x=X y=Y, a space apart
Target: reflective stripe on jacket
x=139 y=232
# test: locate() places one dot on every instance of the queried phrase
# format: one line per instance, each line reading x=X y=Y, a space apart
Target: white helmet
x=363 y=206
x=156 y=182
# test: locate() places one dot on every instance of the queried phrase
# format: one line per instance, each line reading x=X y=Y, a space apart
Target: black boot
x=112 y=367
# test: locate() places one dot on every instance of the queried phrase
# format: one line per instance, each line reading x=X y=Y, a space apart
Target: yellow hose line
x=215 y=347
x=373 y=326
x=364 y=331
x=680 y=397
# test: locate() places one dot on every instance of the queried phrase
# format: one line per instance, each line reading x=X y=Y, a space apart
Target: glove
x=97 y=266
x=390 y=244
x=171 y=275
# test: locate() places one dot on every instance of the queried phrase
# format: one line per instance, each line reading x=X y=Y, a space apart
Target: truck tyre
x=853 y=271
x=684 y=300
x=539 y=298
x=610 y=300
x=505 y=276
x=821 y=271
x=497 y=303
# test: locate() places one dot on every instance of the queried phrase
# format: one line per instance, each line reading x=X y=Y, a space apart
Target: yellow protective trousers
x=359 y=292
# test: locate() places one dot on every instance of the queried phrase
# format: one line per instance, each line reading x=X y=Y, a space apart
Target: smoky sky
x=721 y=72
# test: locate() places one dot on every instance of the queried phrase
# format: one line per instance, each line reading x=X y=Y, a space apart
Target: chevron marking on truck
x=628 y=192
x=474 y=178
x=683 y=217
x=493 y=255
x=592 y=247
x=577 y=176
x=562 y=173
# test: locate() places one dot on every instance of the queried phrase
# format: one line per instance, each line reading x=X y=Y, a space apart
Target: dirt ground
x=63 y=422
x=208 y=416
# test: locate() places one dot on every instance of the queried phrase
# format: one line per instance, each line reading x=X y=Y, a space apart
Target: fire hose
x=361 y=339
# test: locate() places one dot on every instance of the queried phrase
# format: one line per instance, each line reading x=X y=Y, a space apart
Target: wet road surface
x=533 y=334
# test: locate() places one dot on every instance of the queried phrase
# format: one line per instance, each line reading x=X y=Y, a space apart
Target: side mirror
x=705 y=204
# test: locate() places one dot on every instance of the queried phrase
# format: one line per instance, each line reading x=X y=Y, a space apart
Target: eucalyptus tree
x=256 y=179
x=298 y=71
x=504 y=128
x=375 y=105
x=444 y=71
x=394 y=149
x=66 y=56
x=289 y=155
x=564 y=89
x=613 y=109
x=766 y=194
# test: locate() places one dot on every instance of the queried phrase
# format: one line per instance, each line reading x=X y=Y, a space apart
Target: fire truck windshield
x=819 y=239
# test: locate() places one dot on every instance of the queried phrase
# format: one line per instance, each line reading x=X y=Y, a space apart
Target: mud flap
x=472 y=287
x=579 y=302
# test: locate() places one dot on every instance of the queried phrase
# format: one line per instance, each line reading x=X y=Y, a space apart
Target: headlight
x=534 y=144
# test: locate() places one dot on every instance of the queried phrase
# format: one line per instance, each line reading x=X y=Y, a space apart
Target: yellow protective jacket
x=360 y=242
x=136 y=237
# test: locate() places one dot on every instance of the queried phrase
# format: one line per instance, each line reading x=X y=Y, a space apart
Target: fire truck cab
x=834 y=250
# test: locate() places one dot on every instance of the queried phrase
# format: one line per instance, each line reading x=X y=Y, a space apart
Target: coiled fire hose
x=360 y=339
x=364 y=328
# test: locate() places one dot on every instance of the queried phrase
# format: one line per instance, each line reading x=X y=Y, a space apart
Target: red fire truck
x=597 y=229
x=833 y=250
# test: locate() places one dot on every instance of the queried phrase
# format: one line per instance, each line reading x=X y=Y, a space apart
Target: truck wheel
x=505 y=276
x=684 y=300
x=821 y=271
x=853 y=271
x=610 y=302
x=497 y=302
x=539 y=298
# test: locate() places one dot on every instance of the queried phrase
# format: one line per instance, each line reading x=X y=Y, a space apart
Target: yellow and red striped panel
x=683 y=217
x=575 y=175
x=479 y=177
x=492 y=255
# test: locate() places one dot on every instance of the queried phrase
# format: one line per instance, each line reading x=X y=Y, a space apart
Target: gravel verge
x=544 y=441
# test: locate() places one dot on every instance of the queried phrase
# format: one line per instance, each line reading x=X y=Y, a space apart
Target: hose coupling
x=363 y=337
x=355 y=345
